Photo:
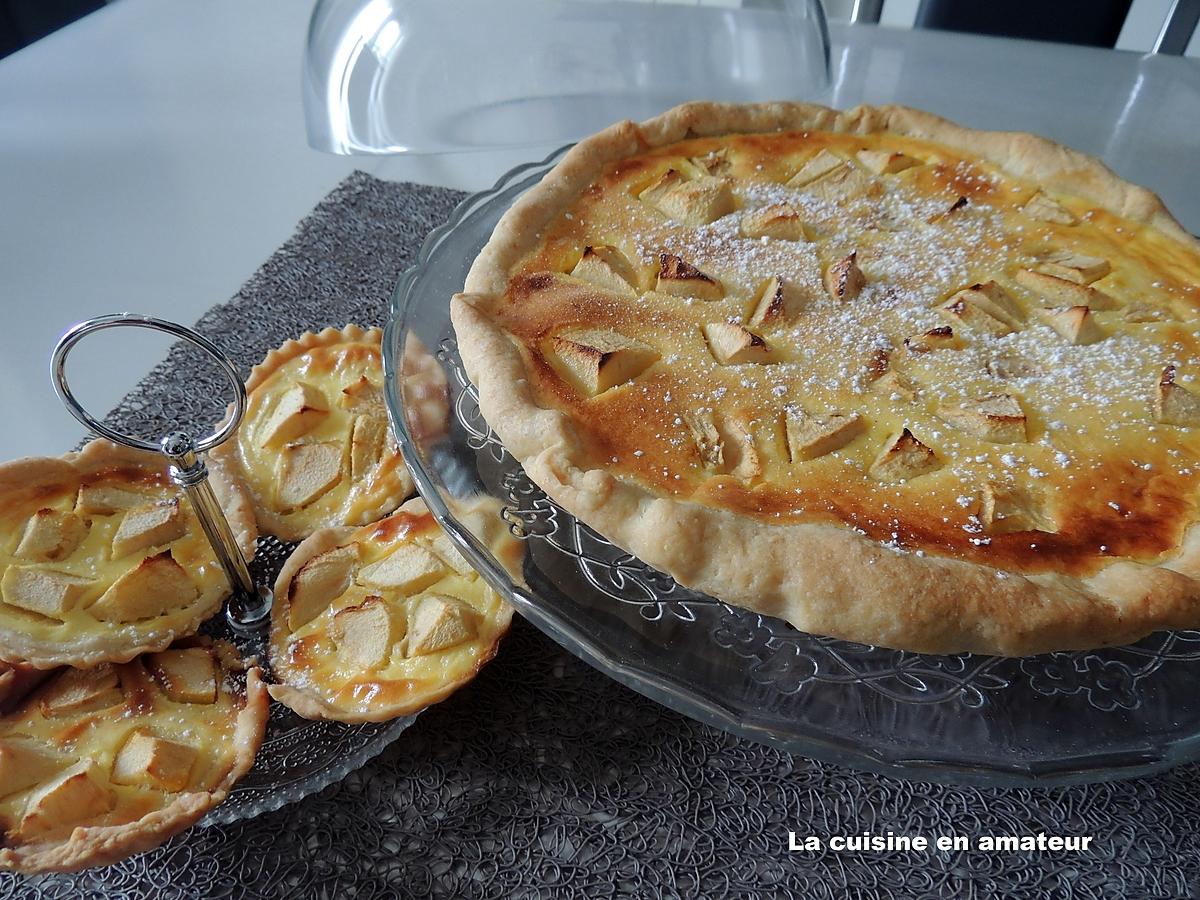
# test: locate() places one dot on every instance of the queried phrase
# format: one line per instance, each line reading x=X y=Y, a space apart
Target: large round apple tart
x=890 y=379
x=102 y=557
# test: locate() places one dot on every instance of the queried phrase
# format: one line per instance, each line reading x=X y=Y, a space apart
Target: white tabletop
x=153 y=155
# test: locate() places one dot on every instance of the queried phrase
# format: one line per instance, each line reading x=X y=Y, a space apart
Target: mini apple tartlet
x=315 y=449
x=102 y=557
x=385 y=620
x=99 y=764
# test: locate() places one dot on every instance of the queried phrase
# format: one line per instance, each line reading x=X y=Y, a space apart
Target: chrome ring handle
x=248 y=605
x=75 y=334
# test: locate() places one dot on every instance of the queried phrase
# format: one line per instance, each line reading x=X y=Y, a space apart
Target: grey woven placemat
x=544 y=778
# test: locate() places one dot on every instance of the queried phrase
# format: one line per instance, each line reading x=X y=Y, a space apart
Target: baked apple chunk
x=409 y=569
x=706 y=437
x=1005 y=510
x=368 y=445
x=1063 y=291
x=844 y=280
x=364 y=634
x=156 y=585
x=439 y=622
x=1074 y=323
x=298 y=412
x=1043 y=208
x=599 y=359
x=985 y=307
x=949 y=213
x=327 y=574
x=1174 y=404
x=24 y=763
x=75 y=795
x=690 y=202
x=76 y=691
x=998 y=418
x=975 y=317
x=51 y=534
x=148 y=526
x=817 y=166
x=1072 y=266
x=886 y=162
x=185 y=674
x=308 y=471
x=725 y=445
x=365 y=397
x=42 y=591
x=732 y=345
x=941 y=338
x=682 y=279
x=844 y=184
x=606 y=267
x=779 y=302
x=780 y=221
x=146 y=759
x=895 y=385
x=902 y=458
x=810 y=436
x=102 y=497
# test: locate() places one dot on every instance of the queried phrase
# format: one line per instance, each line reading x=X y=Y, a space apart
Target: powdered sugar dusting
x=918 y=237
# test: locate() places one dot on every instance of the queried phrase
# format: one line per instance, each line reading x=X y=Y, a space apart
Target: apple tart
x=102 y=558
x=99 y=764
x=314 y=448
x=382 y=621
x=890 y=379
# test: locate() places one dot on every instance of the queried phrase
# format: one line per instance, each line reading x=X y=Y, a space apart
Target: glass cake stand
x=298 y=756
x=1053 y=719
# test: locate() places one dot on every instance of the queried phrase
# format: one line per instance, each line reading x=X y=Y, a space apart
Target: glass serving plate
x=298 y=756
x=1052 y=719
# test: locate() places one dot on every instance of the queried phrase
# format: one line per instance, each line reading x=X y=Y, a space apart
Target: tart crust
x=822 y=576
x=134 y=822
x=331 y=364
x=80 y=638
x=436 y=600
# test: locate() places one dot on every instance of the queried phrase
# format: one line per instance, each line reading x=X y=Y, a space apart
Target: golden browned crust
x=1022 y=154
x=300 y=687
x=304 y=702
x=23 y=478
x=822 y=578
x=90 y=846
x=294 y=347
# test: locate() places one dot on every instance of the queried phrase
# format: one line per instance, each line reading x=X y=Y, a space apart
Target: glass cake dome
x=437 y=76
